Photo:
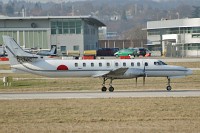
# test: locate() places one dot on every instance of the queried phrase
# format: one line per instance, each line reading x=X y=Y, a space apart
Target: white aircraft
x=104 y=68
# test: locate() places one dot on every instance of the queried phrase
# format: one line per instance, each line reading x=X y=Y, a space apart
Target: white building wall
x=181 y=39
x=68 y=40
x=188 y=22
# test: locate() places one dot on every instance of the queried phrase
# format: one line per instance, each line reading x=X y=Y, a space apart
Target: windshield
x=159 y=63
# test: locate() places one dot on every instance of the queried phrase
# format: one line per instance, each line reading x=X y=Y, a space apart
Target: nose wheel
x=169 y=88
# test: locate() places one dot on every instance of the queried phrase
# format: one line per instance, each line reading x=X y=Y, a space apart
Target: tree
x=37 y=10
x=9 y=9
x=124 y=15
x=196 y=12
x=1 y=7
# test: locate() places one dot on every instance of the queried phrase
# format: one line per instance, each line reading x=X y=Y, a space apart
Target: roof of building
x=89 y=18
x=174 y=23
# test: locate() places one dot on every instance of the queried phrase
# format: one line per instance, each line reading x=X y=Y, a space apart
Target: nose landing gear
x=169 y=88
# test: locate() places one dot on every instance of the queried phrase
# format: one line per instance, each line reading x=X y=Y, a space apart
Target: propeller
x=144 y=75
x=136 y=81
x=144 y=71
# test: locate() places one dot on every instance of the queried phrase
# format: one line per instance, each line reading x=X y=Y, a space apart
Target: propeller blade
x=144 y=70
x=136 y=81
x=143 y=80
x=144 y=73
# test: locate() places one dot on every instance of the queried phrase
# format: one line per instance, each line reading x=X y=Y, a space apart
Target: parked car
x=143 y=52
x=126 y=52
x=107 y=51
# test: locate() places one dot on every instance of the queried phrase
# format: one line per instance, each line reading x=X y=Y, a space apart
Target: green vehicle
x=126 y=52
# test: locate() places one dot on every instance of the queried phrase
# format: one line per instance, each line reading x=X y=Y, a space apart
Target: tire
x=104 y=89
x=169 y=88
x=111 y=89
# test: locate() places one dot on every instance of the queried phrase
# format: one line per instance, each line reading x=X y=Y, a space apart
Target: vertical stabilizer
x=14 y=51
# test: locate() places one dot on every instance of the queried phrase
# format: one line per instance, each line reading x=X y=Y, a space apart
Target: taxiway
x=116 y=94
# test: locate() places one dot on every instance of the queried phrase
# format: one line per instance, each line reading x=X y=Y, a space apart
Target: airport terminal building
x=179 y=37
x=65 y=32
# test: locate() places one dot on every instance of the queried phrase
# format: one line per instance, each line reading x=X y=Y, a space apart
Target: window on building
x=53 y=31
x=66 y=27
x=60 y=27
x=78 y=27
x=53 y=27
x=196 y=29
x=76 y=47
x=72 y=25
x=63 y=48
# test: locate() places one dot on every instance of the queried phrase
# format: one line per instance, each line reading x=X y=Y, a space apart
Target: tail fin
x=14 y=51
x=53 y=51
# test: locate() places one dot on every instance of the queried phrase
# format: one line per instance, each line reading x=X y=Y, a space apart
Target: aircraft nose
x=188 y=72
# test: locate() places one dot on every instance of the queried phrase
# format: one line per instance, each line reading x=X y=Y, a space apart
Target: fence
x=182 y=51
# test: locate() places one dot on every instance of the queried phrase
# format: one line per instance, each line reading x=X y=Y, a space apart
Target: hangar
x=42 y=32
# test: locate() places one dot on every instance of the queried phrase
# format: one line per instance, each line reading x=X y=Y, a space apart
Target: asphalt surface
x=88 y=95
x=116 y=94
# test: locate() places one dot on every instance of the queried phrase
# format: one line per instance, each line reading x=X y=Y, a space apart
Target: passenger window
x=84 y=64
x=132 y=63
x=116 y=64
x=108 y=64
x=146 y=64
x=92 y=64
x=76 y=64
x=138 y=64
x=124 y=64
x=100 y=64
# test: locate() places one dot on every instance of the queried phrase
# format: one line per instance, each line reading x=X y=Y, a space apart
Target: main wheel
x=111 y=89
x=103 y=89
x=169 y=88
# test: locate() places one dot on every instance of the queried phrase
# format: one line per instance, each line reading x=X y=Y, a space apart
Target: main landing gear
x=111 y=88
x=169 y=88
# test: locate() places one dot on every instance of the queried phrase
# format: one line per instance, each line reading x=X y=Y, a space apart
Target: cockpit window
x=163 y=63
x=159 y=63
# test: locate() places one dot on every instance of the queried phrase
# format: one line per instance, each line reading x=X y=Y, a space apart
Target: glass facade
x=29 y=38
x=66 y=27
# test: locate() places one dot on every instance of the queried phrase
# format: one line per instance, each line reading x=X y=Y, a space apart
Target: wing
x=114 y=73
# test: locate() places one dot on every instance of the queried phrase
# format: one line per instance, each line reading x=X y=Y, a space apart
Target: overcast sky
x=42 y=1
x=58 y=1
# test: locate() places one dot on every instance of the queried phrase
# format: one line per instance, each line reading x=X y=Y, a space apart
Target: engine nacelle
x=133 y=73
